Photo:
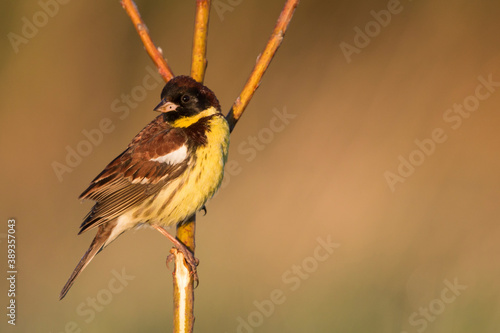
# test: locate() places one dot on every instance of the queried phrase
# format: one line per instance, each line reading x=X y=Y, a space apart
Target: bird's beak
x=165 y=106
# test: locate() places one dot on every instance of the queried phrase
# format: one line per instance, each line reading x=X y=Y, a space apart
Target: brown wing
x=135 y=175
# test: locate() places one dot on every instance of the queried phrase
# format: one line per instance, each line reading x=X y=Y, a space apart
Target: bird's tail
x=99 y=242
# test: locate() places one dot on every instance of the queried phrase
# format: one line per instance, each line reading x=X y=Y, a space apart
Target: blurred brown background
x=311 y=157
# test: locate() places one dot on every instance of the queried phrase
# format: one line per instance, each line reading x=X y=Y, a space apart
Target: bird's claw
x=191 y=261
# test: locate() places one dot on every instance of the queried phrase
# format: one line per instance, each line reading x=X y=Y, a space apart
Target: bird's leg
x=188 y=255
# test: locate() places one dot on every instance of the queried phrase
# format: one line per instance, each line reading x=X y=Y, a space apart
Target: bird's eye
x=185 y=98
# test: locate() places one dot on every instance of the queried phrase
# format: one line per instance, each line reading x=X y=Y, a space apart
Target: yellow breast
x=188 y=193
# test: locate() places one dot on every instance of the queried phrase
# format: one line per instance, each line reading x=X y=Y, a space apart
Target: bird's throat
x=188 y=121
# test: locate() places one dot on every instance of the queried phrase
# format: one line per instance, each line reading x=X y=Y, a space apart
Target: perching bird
x=166 y=174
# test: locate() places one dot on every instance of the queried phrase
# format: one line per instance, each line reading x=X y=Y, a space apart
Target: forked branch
x=183 y=281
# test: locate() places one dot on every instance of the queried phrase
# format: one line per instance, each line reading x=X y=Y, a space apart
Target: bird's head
x=184 y=97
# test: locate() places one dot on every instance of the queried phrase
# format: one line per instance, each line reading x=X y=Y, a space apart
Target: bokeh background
x=310 y=160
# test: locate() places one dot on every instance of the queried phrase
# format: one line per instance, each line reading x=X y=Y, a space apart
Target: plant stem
x=199 y=61
x=263 y=61
x=183 y=280
x=155 y=54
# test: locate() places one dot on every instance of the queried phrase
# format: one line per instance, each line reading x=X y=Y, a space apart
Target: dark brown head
x=184 y=97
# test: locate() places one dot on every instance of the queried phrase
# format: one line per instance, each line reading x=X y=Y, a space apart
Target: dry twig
x=155 y=54
x=199 y=61
x=263 y=61
x=183 y=280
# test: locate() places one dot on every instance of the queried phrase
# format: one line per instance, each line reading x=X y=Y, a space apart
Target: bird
x=166 y=174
